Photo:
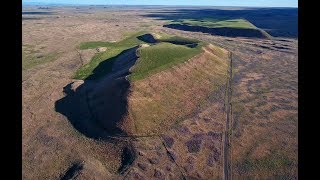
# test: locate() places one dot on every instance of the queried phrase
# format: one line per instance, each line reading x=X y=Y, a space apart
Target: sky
x=252 y=3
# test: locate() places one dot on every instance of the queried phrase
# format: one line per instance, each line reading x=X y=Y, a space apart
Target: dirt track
x=228 y=130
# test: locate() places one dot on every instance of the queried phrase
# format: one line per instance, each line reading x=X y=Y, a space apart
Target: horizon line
x=85 y=4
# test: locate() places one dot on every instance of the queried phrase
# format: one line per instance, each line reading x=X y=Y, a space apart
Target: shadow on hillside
x=278 y=22
x=229 y=32
x=106 y=66
x=147 y=38
x=30 y=18
x=96 y=107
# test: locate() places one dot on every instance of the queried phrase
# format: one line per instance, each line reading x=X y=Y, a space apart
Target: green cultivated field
x=216 y=23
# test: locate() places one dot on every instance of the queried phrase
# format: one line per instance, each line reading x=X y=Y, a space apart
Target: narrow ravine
x=171 y=158
x=228 y=111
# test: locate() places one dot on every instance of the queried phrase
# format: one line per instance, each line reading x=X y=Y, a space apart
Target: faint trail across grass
x=228 y=130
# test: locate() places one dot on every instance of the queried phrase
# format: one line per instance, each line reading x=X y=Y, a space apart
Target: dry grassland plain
x=214 y=116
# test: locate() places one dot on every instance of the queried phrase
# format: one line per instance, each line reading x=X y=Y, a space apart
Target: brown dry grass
x=265 y=112
x=264 y=102
x=166 y=98
x=265 y=105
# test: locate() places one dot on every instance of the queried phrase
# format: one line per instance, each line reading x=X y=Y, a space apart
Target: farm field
x=218 y=23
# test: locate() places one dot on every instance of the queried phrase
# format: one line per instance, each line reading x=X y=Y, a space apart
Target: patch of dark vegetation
x=168 y=140
x=194 y=145
x=154 y=160
x=224 y=31
x=210 y=161
x=73 y=171
x=137 y=175
x=198 y=136
x=215 y=135
x=183 y=129
x=158 y=173
x=127 y=158
x=169 y=168
x=142 y=166
x=213 y=157
x=206 y=120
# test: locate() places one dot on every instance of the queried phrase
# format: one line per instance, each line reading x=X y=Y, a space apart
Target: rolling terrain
x=112 y=93
x=220 y=27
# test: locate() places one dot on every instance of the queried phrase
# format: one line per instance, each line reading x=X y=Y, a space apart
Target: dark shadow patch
x=73 y=171
x=182 y=41
x=228 y=32
x=148 y=38
x=30 y=18
x=172 y=156
x=127 y=158
x=192 y=45
x=97 y=107
x=281 y=47
x=275 y=48
x=106 y=66
x=265 y=47
x=278 y=22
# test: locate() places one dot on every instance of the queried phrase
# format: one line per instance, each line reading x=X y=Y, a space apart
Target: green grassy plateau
x=168 y=51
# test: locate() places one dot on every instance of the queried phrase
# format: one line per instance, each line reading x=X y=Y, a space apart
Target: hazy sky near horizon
x=256 y=3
